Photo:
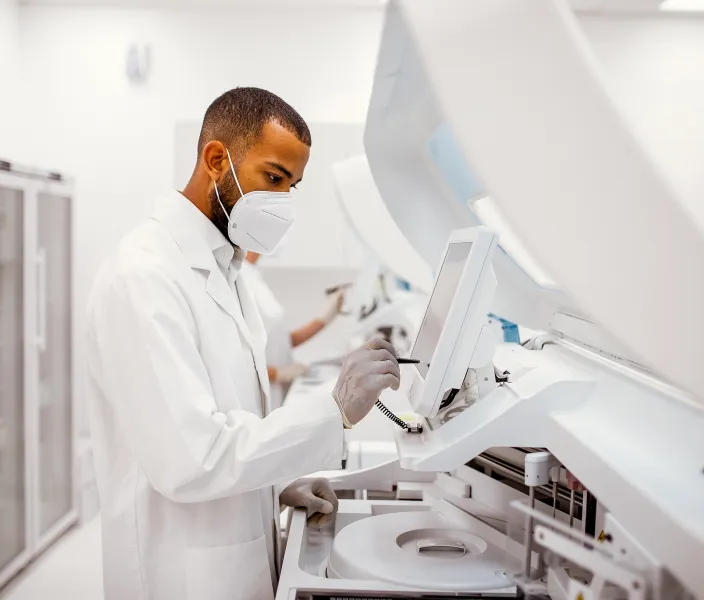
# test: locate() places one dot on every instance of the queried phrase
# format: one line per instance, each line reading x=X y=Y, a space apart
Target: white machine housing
x=505 y=99
x=499 y=107
x=532 y=125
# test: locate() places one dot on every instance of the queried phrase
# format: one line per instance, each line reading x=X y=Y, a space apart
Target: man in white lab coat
x=188 y=456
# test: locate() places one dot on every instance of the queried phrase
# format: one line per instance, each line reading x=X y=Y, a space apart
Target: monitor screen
x=439 y=305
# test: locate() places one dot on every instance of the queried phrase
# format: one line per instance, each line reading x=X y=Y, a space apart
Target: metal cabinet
x=54 y=405
x=37 y=465
x=13 y=460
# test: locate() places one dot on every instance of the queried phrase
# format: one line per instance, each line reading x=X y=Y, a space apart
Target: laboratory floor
x=70 y=570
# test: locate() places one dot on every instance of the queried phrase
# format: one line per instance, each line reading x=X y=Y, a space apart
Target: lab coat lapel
x=219 y=290
x=258 y=334
x=173 y=212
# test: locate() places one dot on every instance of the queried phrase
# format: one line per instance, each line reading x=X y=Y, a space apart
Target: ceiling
x=200 y=3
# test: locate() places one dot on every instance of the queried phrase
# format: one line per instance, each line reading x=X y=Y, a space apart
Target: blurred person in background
x=280 y=340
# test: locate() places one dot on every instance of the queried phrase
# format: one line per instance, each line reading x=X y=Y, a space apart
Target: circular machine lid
x=417 y=549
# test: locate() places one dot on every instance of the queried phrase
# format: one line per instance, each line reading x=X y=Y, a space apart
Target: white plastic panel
x=429 y=187
x=490 y=214
x=560 y=158
x=366 y=212
x=402 y=118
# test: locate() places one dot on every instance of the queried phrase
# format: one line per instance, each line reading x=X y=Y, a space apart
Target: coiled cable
x=388 y=414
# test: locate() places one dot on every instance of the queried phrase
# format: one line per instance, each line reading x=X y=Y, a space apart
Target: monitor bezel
x=426 y=393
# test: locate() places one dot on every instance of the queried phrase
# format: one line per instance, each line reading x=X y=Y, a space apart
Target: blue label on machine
x=449 y=159
x=510 y=329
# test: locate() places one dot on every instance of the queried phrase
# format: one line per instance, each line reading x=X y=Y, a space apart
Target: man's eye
x=275 y=179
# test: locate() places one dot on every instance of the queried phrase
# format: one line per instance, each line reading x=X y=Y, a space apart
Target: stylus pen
x=411 y=361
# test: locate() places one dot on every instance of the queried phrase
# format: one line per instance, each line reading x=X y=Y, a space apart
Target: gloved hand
x=315 y=495
x=287 y=373
x=366 y=372
x=334 y=307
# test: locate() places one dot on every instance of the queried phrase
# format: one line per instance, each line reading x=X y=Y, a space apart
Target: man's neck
x=196 y=193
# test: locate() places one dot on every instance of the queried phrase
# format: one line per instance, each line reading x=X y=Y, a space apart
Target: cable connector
x=416 y=428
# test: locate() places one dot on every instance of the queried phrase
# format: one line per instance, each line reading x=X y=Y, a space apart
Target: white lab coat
x=186 y=464
x=279 y=351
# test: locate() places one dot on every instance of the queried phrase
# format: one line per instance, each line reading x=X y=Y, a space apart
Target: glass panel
x=54 y=297
x=12 y=458
x=439 y=304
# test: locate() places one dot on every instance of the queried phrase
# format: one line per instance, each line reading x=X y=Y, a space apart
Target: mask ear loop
x=232 y=168
x=220 y=201
x=217 y=193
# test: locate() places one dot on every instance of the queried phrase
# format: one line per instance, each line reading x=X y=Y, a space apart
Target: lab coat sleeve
x=145 y=346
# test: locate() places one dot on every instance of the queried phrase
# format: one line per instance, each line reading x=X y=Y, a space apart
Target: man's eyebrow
x=280 y=168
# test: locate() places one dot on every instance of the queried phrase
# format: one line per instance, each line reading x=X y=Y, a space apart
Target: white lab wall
x=655 y=67
x=9 y=81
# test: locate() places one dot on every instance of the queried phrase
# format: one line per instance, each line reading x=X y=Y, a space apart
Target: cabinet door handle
x=41 y=299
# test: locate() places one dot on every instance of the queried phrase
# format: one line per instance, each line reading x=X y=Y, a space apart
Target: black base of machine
x=414 y=596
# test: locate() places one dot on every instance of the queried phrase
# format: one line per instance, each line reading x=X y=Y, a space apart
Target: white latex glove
x=316 y=495
x=366 y=373
x=288 y=373
x=334 y=307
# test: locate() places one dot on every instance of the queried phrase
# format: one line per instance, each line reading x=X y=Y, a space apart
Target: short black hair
x=237 y=118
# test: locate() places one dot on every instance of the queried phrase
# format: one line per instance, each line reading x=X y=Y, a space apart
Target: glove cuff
x=345 y=421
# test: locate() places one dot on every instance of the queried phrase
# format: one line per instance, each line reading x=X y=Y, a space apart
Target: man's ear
x=214 y=159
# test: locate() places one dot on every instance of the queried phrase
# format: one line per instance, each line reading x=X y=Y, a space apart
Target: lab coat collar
x=198 y=239
x=184 y=221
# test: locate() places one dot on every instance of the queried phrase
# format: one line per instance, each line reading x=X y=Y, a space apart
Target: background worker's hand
x=366 y=373
x=334 y=306
x=287 y=373
x=316 y=495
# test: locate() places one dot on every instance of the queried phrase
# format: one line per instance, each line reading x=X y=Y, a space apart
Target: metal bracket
x=604 y=568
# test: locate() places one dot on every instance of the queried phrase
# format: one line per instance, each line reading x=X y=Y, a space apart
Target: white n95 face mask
x=259 y=220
